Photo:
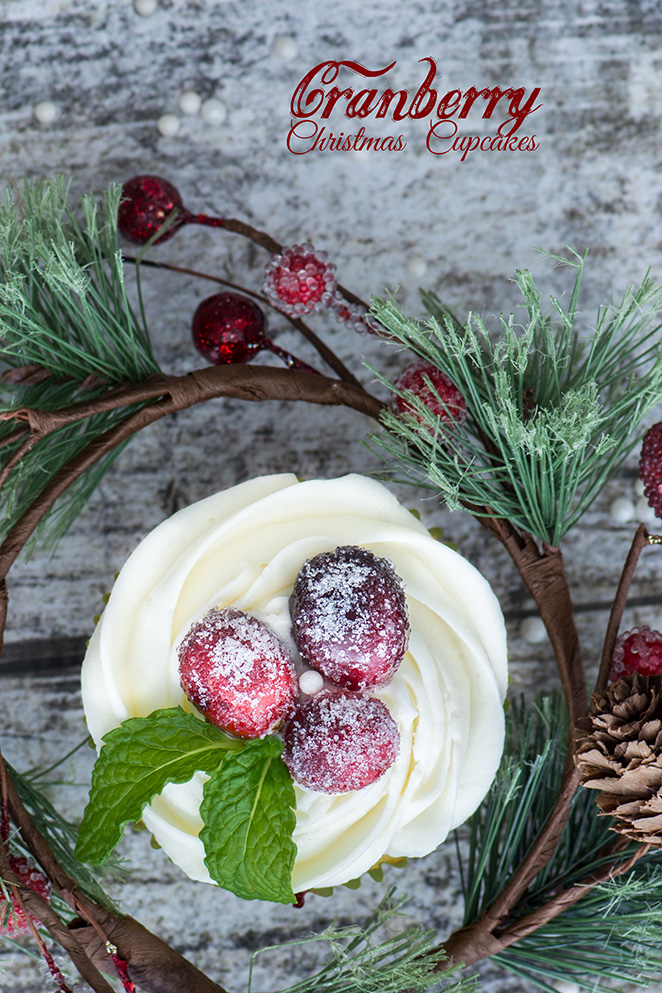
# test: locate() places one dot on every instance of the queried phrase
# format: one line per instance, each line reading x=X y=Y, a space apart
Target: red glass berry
x=228 y=327
x=349 y=617
x=235 y=670
x=299 y=280
x=431 y=386
x=650 y=467
x=146 y=202
x=638 y=650
x=339 y=741
x=12 y=919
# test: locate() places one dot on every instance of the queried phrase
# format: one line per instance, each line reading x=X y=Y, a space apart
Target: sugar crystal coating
x=236 y=671
x=349 y=617
x=339 y=741
x=434 y=388
x=650 y=467
x=12 y=919
x=638 y=650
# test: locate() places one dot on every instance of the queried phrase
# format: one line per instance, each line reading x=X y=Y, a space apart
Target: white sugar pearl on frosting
x=145 y=7
x=311 y=682
x=417 y=266
x=168 y=125
x=190 y=102
x=622 y=510
x=213 y=111
x=285 y=48
x=47 y=112
x=533 y=630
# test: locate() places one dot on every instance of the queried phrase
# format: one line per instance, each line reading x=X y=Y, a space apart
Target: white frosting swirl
x=243 y=548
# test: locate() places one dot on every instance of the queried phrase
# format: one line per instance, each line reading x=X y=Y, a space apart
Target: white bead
x=533 y=630
x=168 y=125
x=311 y=682
x=645 y=512
x=47 y=112
x=145 y=7
x=190 y=102
x=622 y=510
x=565 y=986
x=285 y=48
x=214 y=111
x=417 y=266
x=639 y=487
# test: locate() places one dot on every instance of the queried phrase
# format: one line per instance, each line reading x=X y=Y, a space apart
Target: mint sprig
x=247 y=806
x=247 y=810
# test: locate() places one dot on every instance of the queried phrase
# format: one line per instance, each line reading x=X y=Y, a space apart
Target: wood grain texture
x=594 y=182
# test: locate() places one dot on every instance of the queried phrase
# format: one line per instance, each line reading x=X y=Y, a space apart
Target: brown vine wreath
x=548 y=423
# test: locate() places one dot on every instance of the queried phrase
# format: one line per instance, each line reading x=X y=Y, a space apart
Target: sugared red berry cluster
x=12 y=919
x=650 y=467
x=638 y=650
x=349 y=622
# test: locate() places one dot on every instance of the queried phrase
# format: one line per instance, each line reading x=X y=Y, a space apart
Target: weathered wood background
x=384 y=218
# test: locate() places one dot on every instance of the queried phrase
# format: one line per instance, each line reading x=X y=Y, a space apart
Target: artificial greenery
x=612 y=933
x=553 y=406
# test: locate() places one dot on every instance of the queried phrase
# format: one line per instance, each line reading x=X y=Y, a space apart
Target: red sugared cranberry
x=228 y=327
x=12 y=919
x=299 y=280
x=638 y=650
x=235 y=670
x=349 y=617
x=146 y=202
x=650 y=467
x=439 y=388
x=339 y=741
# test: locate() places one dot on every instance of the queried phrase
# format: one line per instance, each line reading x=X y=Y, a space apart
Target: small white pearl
x=190 y=102
x=417 y=266
x=311 y=682
x=214 y=111
x=168 y=125
x=145 y=7
x=533 y=630
x=565 y=986
x=639 y=487
x=285 y=48
x=645 y=512
x=47 y=112
x=622 y=510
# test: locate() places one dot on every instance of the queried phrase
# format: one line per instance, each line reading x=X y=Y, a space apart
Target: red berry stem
x=205 y=219
x=122 y=968
x=291 y=361
x=641 y=539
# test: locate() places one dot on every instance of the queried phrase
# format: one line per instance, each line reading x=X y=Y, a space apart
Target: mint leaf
x=247 y=808
x=136 y=761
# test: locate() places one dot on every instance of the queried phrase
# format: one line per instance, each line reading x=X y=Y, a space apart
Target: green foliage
x=361 y=964
x=247 y=806
x=248 y=812
x=553 y=410
x=64 y=309
x=612 y=933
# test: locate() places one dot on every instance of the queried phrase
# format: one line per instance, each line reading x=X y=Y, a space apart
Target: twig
x=639 y=542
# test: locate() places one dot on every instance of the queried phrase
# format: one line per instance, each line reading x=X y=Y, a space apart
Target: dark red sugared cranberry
x=349 y=617
x=339 y=741
x=146 y=202
x=228 y=327
x=235 y=670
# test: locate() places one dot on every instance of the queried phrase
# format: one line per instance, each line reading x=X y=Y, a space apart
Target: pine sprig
x=553 y=409
x=362 y=964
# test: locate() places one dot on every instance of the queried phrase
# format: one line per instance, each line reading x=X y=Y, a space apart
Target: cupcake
x=242 y=553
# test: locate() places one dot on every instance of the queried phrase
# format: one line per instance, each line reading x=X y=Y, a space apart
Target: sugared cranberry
x=228 y=327
x=299 y=280
x=146 y=203
x=12 y=919
x=438 y=388
x=339 y=741
x=638 y=650
x=349 y=617
x=650 y=467
x=235 y=670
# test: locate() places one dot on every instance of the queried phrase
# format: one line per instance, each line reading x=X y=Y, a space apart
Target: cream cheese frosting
x=243 y=548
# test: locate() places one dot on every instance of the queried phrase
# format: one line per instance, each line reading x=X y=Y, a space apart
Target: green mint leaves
x=247 y=805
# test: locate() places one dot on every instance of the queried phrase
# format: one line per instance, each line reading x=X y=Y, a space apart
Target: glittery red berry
x=339 y=741
x=146 y=202
x=650 y=467
x=228 y=327
x=638 y=650
x=299 y=280
x=434 y=388
x=235 y=670
x=12 y=919
x=349 y=617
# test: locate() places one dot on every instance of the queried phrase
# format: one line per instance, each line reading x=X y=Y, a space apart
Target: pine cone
x=620 y=753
